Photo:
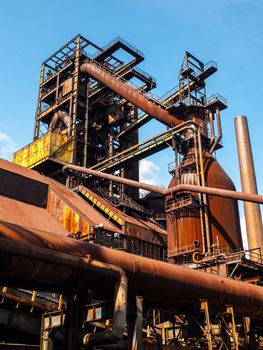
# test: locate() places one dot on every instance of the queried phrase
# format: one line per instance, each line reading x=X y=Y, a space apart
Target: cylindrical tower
x=249 y=184
x=185 y=224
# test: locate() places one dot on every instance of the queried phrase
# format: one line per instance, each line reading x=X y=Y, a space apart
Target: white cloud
x=244 y=232
x=7 y=146
x=150 y=173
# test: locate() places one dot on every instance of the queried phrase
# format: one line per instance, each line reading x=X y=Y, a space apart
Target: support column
x=208 y=326
x=249 y=184
x=72 y=323
x=135 y=323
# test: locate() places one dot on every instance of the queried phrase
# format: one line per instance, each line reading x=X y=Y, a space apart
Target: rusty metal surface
x=222 y=212
x=66 y=211
x=29 y=216
x=152 y=279
x=23 y=189
x=73 y=212
x=249 y=184
x=130 y=94
x=18 y=169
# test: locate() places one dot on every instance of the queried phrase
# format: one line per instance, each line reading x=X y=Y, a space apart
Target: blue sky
x=227 y=31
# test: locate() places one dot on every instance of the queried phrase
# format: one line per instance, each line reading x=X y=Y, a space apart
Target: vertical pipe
x=205 y=202
x=249 y=184
x=212 y=129
x=111 y=151
x=86 y=126
x=75 y=83
x=201 y=213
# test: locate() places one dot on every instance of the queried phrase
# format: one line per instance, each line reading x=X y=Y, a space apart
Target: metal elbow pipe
x=60 y=115
x=119 y=320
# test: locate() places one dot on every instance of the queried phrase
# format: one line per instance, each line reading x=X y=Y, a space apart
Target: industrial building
x=87 y=262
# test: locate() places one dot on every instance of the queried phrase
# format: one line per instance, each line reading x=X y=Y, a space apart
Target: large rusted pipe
x=249 y=184
x=130 y=94
x=154 y=280
x=248 y=197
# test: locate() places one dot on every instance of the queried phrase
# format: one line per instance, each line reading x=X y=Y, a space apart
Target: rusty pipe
x=27 y=248
x=200 y=197
x=119 y=319
x=60 y=115
x=249 y=184
x=207 y=246
x=130 y=94
x=115 y=178
x=248 y=197
x=155 y=280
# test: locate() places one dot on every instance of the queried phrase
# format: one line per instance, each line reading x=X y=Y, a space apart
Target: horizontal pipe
x=130 y=94
x=218 y=192
x=248 y=197
x=154 y=280
x=61 y=267
x=115 y=178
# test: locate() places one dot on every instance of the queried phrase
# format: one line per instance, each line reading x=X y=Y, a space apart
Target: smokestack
x=249 y=184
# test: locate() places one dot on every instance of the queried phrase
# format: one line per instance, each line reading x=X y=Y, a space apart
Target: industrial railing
x=115 y=41
x=215 y=98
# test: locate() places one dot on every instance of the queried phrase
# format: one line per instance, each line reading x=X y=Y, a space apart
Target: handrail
x=217 y=97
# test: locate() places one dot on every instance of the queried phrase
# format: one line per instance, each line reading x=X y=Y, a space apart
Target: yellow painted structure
x=53 y=145
x=96 y=202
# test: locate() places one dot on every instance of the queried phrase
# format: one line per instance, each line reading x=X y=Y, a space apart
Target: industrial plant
x=90 y=261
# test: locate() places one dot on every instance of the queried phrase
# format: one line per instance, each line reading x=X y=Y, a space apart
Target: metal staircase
x=122 y=201
x=96 y=202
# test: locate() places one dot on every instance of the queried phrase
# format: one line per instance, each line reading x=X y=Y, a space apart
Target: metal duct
x=154 y=280
x=249 y=184
x=130 y=94
x=60 y=115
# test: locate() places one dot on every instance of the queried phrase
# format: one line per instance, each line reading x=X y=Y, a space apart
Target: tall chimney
x=249 y=184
